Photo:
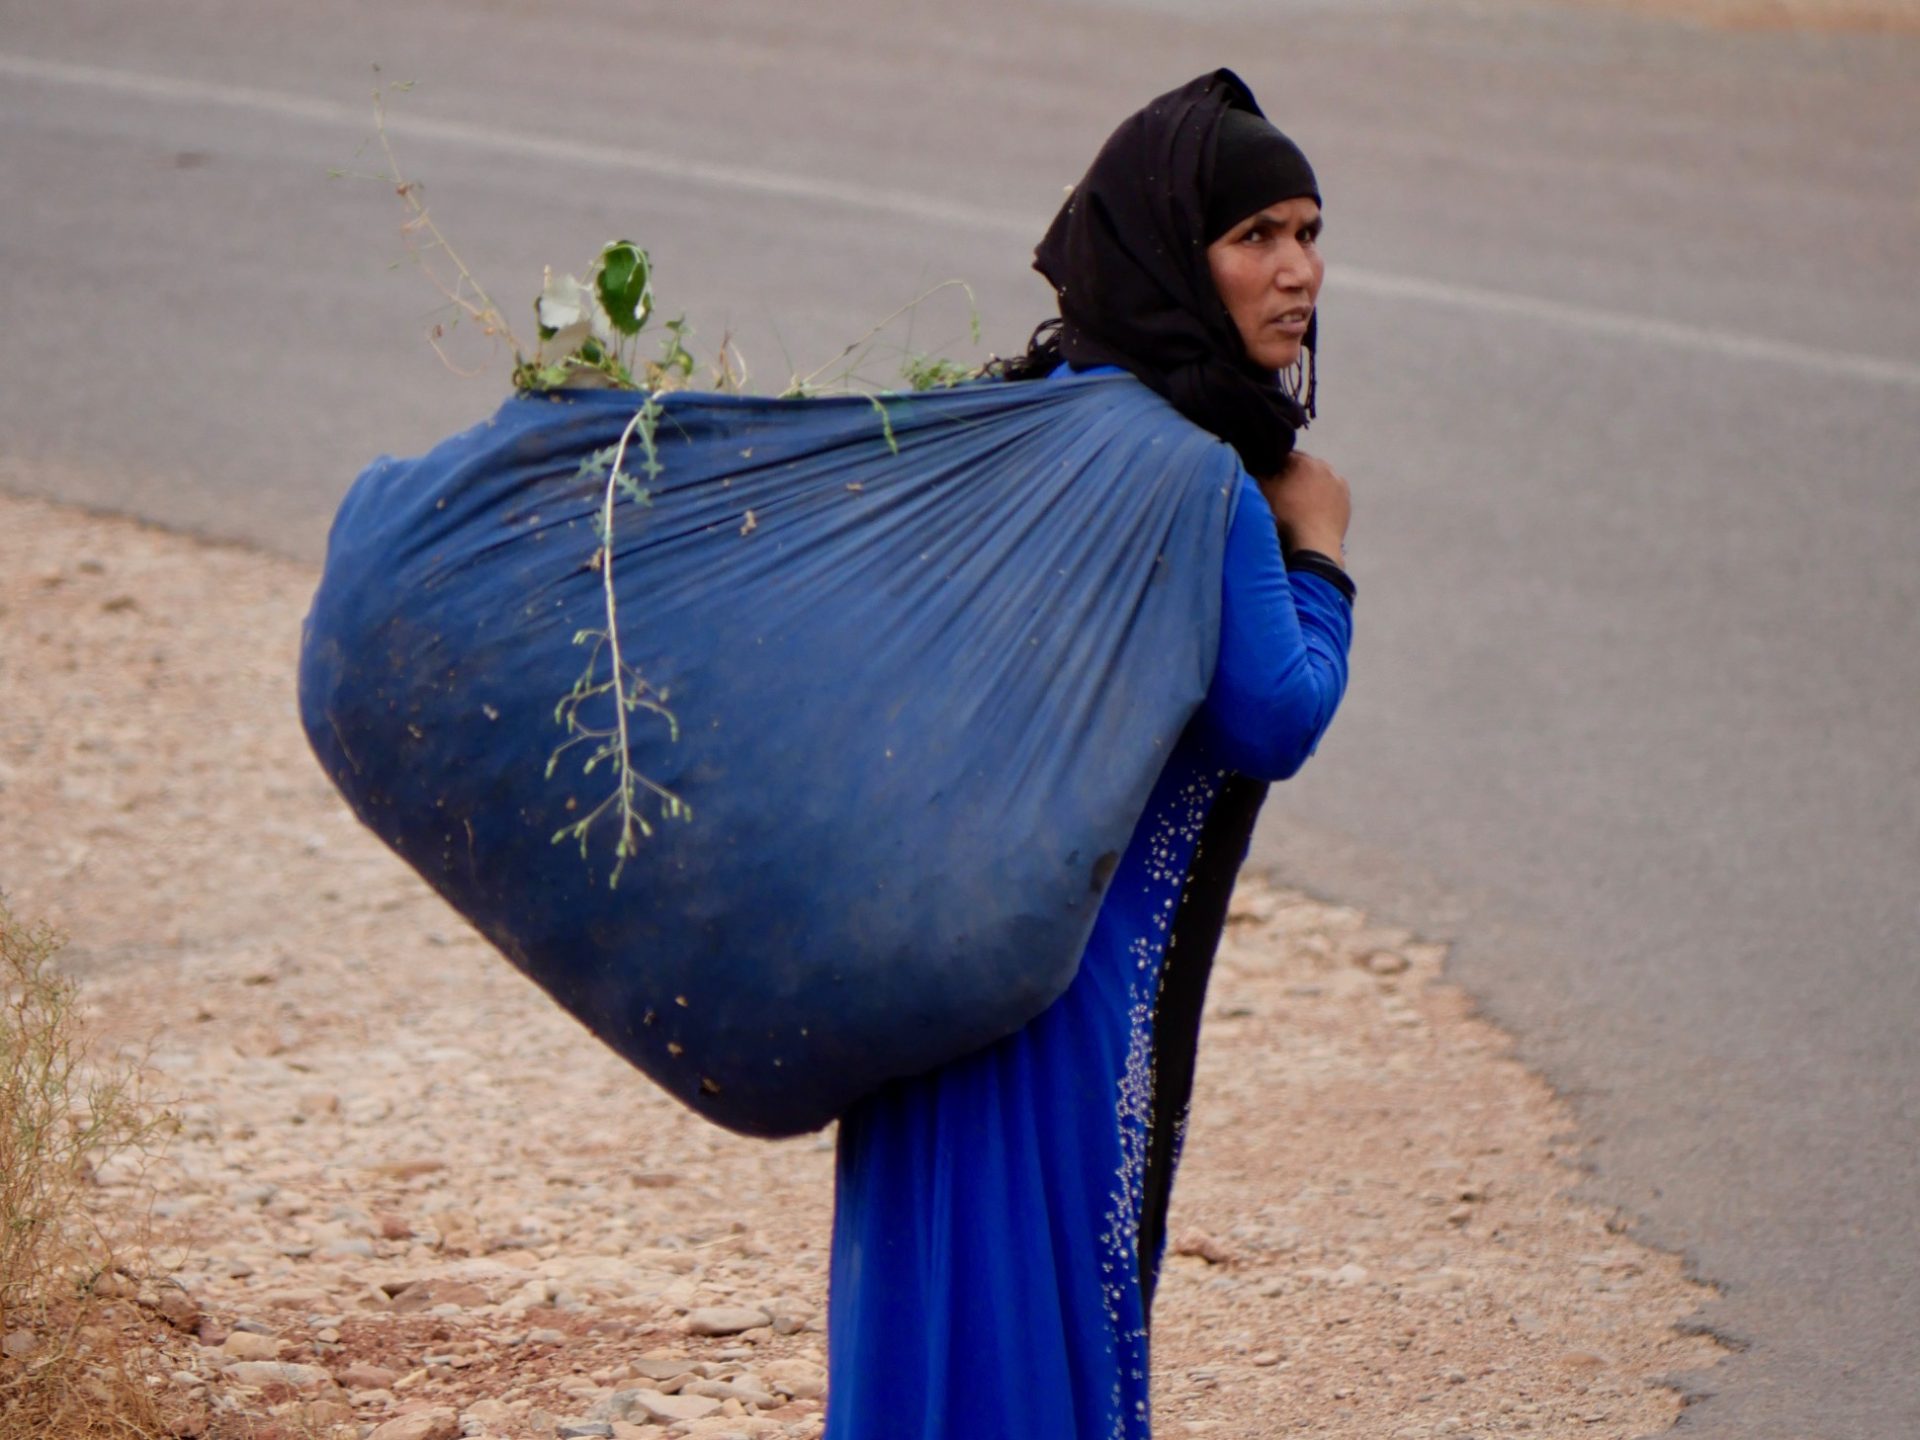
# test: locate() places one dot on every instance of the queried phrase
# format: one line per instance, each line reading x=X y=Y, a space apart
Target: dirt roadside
x=1870 y=16
x=411 y=1199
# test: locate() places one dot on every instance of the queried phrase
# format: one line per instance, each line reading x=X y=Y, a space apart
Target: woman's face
x=1268 y=271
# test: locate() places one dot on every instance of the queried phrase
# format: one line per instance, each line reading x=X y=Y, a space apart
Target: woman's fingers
x=1311 y=503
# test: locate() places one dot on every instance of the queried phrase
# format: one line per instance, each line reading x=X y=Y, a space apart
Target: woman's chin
x=1278 y=354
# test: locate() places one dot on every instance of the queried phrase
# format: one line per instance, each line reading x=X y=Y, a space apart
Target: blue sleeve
x=1283 y=652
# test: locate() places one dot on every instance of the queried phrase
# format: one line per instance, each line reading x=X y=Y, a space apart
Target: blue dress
x=988 y=1276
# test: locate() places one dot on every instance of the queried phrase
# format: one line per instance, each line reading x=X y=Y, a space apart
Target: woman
x=1000 y=1221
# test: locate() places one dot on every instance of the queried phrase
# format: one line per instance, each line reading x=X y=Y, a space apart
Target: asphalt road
x=1622 y=356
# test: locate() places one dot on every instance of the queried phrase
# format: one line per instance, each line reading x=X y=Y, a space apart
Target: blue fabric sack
x=922 y=675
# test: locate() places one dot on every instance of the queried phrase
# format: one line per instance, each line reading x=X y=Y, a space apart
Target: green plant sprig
x=625 y=686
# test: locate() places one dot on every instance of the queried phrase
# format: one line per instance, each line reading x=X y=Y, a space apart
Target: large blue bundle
x=921 y=675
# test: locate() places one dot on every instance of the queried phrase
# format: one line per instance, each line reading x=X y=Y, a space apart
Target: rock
x=316 y=1106
x=368 y=1110
x=584 y=1430
x=263 y=1374
x=245 y=1345
x=408 y=1169
x=19 y=1344
x=801 y=1379
x=655 y=1368
x=740 y=1389
x=1386 y=962
x=111 y=1284
x=546 y=1335
x=662 y=1409
x=362 y=1376
x=676 y=1262
x=322 y=1413
x=173 y=1305
x=429 y=1293
x=725 y=1320
x=305 y=1297
x=488 y=1414
x=1249 y=905
x=438 y=1423
x=1203 y=1246
x=1350 y=1274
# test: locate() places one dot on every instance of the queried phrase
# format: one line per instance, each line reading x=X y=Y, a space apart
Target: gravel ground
x=411 y=1199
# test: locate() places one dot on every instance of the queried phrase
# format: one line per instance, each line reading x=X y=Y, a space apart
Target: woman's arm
x=1283 y=651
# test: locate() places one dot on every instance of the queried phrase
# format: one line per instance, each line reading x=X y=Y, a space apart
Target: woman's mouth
x=1292 y=322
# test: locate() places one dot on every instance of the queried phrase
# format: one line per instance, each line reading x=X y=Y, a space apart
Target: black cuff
x=1312 y=562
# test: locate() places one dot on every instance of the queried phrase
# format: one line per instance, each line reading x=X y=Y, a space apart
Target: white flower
x=573 y=313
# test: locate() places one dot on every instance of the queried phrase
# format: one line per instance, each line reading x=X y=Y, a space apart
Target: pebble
x=246 y=1345
x=438 y=1423
x=488 y=1414
x=262 y=1373
x=801 y=1379
x=655 y=1368
x=362 y=1376
x=664 y=1409
x=738 y=1389
x=725 y=1320
x=430 y=1294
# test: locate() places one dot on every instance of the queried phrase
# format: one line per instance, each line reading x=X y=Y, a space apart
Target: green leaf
x=625 y=284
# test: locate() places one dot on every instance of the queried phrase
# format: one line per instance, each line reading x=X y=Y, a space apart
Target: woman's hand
x=1311 y=504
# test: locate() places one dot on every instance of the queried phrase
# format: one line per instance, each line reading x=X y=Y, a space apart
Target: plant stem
x=647 y=414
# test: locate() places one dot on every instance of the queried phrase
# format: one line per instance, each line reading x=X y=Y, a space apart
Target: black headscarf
x=1127 y=259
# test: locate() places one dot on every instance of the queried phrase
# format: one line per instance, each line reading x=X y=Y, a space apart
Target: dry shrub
x=77 y=1337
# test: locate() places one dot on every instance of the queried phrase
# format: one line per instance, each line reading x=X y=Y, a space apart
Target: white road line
x=1381 y=284
x=1625 y=325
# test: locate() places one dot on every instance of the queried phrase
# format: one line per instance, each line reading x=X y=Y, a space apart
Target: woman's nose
x=1295 y=270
